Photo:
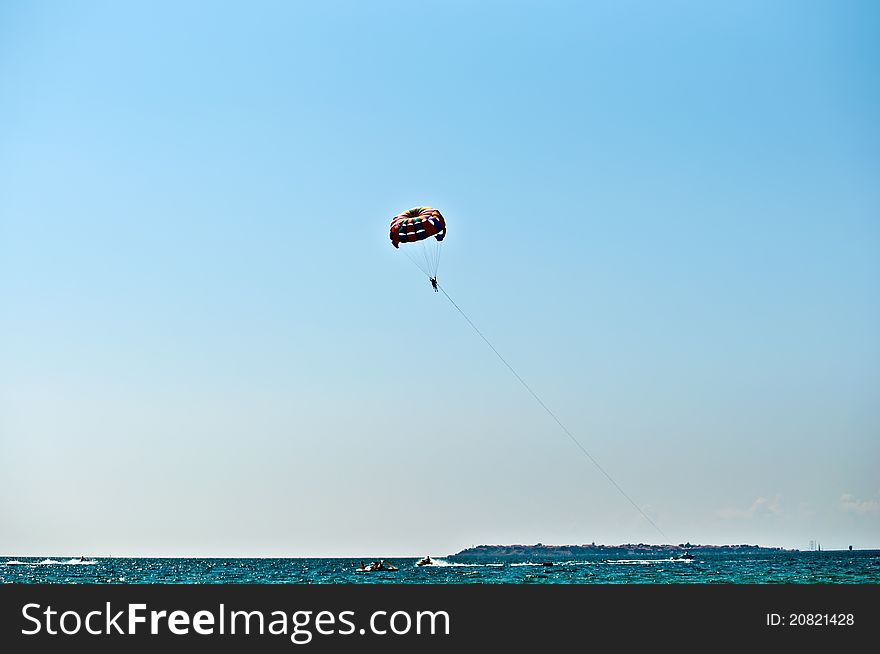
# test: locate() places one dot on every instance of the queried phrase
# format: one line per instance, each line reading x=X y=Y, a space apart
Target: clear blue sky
x=664 y=215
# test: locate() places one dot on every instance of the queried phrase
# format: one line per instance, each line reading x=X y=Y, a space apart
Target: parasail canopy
x=417 y=224
x=415 y=229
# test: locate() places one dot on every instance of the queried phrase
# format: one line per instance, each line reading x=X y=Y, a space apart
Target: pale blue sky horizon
x=664 y=217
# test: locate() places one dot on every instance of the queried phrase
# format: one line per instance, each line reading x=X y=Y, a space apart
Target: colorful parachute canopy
x=417 y=224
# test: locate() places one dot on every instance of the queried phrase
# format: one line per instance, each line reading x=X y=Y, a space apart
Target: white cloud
x=761 y=507
x=852 y=504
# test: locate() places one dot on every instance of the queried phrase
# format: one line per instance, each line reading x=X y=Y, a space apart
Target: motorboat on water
x=687 y=556
x=425 y=561
x=377 y=566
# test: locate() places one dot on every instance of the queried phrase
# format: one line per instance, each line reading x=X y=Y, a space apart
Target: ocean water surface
x=783 y=567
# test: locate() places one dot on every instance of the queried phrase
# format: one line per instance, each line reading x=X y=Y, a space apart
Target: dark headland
x=541 y=552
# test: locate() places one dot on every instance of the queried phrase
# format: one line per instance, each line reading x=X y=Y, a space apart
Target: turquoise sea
x=774 y=567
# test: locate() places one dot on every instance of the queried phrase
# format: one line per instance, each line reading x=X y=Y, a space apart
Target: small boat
x=687 y=556
x=425 y=561
x=378 y=566
x=547 y=563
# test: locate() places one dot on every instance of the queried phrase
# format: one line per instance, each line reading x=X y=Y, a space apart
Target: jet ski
x=425 y=561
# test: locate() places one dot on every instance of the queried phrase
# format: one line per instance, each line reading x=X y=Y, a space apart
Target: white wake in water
x=440 y=563
x=51 y=562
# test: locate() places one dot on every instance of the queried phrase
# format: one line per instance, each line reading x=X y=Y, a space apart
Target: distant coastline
x=542 y=552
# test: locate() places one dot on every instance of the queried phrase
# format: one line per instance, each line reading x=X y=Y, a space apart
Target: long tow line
x=553 y=415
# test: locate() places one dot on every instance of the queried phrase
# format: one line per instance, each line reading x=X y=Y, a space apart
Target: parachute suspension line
x=428 y=263
x=432 y=249
x=425 y=256
x=553 y=415
x=415 y=263
x=437 y=252
x=421 y=268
